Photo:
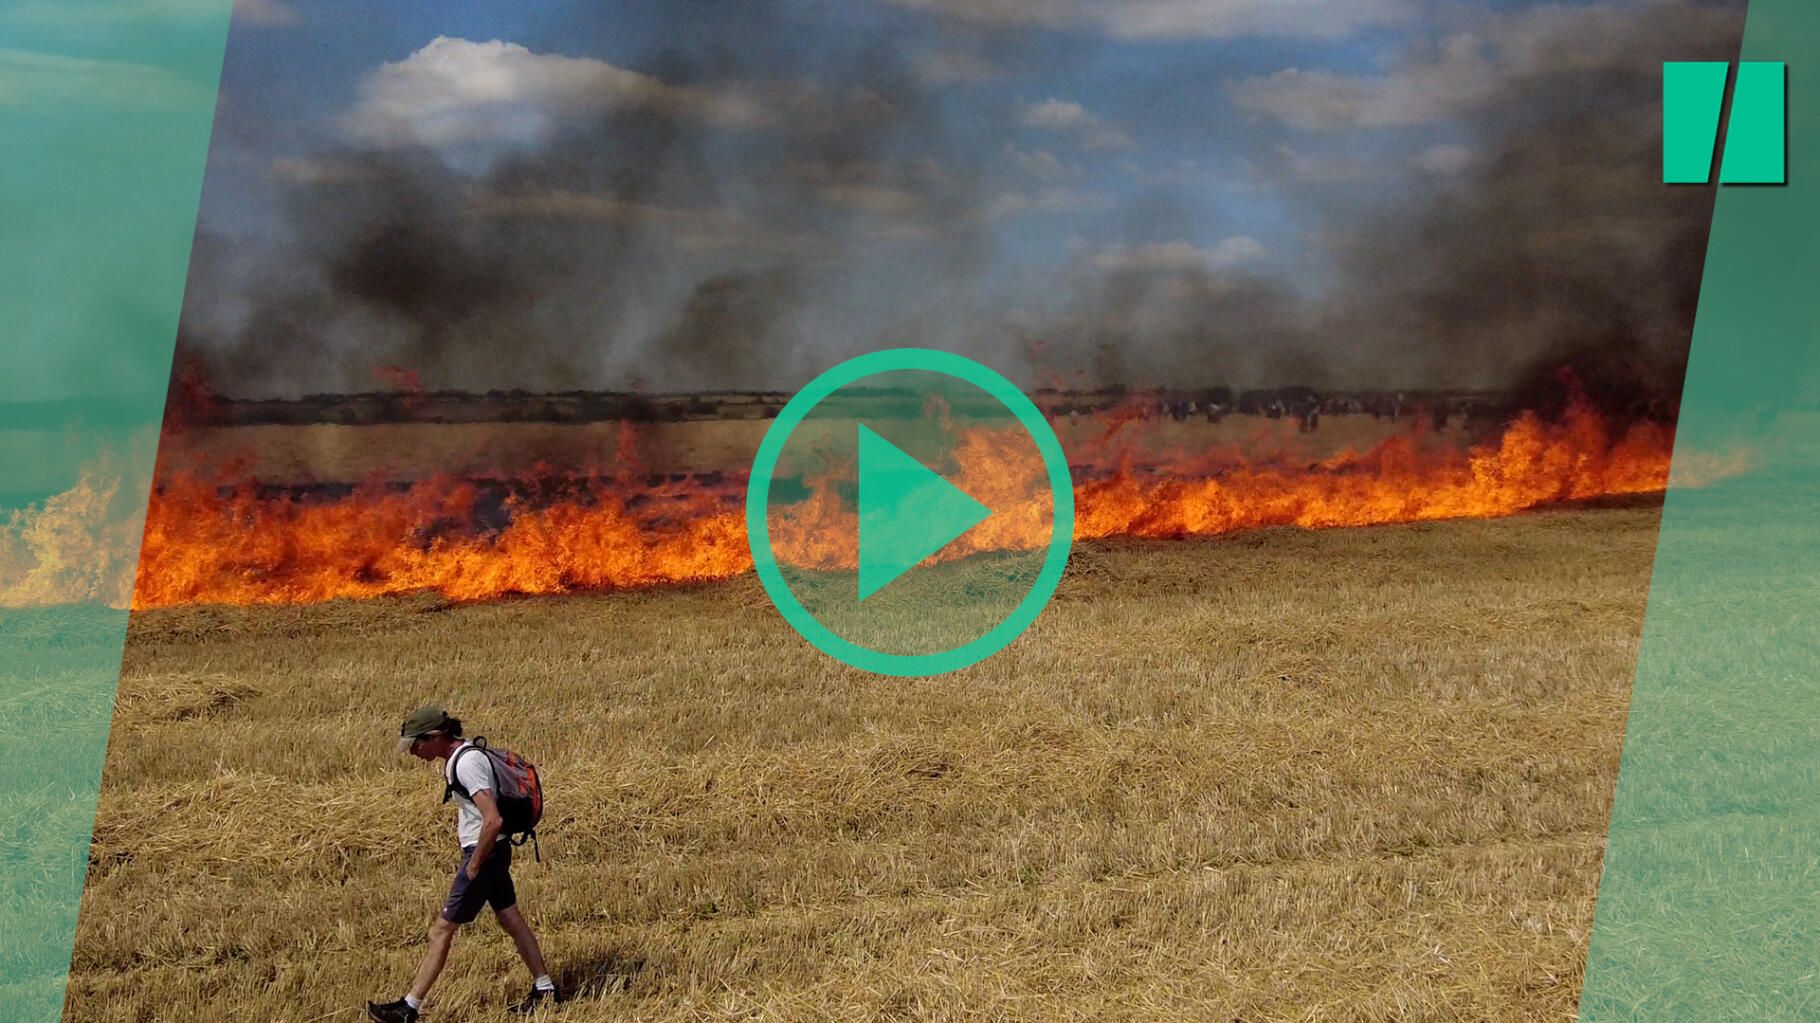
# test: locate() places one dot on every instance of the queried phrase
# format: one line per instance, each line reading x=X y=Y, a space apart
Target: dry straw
x=1350 y=775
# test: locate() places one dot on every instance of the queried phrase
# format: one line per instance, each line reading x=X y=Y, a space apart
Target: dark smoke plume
x=1556 y=249
x=676 y=242
x=1561 y=248
x=657 y=244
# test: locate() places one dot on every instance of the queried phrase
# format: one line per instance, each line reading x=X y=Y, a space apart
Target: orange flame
x=1534 y=463
x=203 y=547
x=76 y=548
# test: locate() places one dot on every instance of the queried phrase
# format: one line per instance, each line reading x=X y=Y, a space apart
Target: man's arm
x=490 y=824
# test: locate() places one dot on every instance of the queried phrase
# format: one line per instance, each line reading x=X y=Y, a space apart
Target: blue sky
x=966 y=174
x=1165 y=121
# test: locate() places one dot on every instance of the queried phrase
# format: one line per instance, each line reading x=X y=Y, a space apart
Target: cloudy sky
x=707 y=193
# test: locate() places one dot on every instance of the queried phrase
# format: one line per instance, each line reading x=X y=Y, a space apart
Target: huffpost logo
x=1694 y=98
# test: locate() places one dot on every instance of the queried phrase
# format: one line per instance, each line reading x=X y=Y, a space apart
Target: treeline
x=515 y=406
x=490 y=407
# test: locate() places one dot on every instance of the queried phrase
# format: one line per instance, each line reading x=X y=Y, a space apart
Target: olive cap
x=422 y=722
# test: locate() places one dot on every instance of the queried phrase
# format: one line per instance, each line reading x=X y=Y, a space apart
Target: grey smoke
x=638 y=244
x=1553 y=245
x=650 y=246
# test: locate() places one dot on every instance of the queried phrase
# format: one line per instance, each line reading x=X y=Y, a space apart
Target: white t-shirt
x=476 y=775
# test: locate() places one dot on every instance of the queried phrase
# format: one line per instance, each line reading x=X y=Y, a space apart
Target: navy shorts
x=494 y=885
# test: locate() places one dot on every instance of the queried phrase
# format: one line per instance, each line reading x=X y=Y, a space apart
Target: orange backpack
x=519 y=795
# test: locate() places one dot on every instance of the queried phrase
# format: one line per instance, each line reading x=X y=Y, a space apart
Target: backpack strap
x=452 y=780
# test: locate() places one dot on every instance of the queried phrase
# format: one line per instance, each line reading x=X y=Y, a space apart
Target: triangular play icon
x=906 y=512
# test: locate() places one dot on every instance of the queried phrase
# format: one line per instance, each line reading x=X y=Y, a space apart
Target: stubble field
x=1342 y=775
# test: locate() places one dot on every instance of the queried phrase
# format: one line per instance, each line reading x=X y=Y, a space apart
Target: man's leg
x=466 y=897
x=503 y=895
x=519 y=928
x=442 y=937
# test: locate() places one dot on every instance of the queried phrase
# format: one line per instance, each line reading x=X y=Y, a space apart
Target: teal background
x=1709 y=907
x=105 y=112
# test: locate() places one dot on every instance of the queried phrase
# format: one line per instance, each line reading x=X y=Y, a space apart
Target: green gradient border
x=105 y=115
x=1709 y=907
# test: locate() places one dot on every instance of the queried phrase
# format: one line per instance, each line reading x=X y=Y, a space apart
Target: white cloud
x=1060 y=115
x=1320 y=100
x=1047 y=200
x=455 y=90
x=1180 y=256
x=1185 y=173
x=1177 y=19
x=953 y=67
x=1470 y=69
x=1443 y=160
x=1039 y=164
x=1323 y=169
x=1182 y=19
x=1075 y=120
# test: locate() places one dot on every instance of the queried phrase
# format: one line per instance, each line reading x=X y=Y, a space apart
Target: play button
x=910 y=512
x=906 y=512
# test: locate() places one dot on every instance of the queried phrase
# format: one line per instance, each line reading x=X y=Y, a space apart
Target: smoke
x=1558 y=246
x=783 y=191
x=1537 y=241
x=1138 y=327
x=697 y=223
x=728 y=322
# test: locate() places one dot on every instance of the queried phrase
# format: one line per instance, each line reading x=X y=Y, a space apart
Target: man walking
x=485 y=874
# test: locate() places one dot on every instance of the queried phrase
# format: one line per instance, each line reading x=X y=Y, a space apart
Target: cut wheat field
x=1342 y=775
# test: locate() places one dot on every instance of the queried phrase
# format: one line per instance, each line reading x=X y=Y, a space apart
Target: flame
x=204 y=546
x=206 y=542
x=76 y=548
x=1534 y=463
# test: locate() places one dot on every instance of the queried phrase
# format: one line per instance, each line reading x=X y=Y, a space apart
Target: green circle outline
x=758 y=527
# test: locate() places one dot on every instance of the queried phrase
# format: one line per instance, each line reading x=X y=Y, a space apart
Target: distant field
x=1341 y=775
x=410 y=451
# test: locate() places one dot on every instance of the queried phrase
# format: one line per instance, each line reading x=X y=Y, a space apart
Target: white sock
x=411 y=1000
x=544 y=983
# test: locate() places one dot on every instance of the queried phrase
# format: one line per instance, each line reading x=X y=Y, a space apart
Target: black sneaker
x=392 y=1012
x=533 y=1001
